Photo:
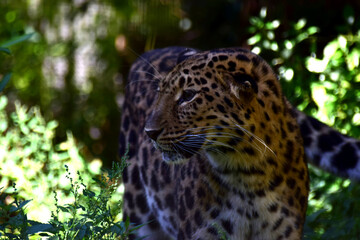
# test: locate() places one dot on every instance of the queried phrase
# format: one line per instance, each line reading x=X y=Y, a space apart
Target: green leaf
x=4 y=81
x=11 y=236
x=312 y=30
x=51 y=125
x=5 y=50
x=81 y=207
x=23 y=203
x=17 y=40
x=3 y=103
x=312 y=218
x=63 y=209
x=140 y=226
x=300 y=24
x=89 y=193
x=40 y=227
x=254 y=39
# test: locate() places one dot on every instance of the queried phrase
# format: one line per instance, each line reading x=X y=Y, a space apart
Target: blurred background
x=73 y=72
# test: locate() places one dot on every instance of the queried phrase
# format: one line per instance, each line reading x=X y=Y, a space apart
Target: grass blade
x=4 y=81
x=17 y=40
x=5 y=50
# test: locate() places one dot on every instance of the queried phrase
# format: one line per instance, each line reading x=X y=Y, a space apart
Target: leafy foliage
x=339 y=75
x=330 y=94
x=29 y=157
x=324 y=87
x=333 y=207
x=89 y=216
x=4 y=47
x=14 y=223
x=70 y=68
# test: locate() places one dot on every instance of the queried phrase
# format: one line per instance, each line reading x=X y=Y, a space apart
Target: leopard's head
x=211 y=103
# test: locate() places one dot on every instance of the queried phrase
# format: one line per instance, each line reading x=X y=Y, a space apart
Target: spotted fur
x=228 y=156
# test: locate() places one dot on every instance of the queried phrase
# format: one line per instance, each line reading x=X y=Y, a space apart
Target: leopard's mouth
x=171 y=154
x=180 y=149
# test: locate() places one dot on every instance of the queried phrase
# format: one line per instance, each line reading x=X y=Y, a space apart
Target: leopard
x=216 y=151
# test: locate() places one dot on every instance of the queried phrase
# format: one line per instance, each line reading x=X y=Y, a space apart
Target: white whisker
x=143 y=59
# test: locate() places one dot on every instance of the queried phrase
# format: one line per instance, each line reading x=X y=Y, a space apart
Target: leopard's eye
x=187 y=96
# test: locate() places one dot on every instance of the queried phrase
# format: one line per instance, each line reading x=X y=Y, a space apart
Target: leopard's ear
x=185 y=54
x=242 y=85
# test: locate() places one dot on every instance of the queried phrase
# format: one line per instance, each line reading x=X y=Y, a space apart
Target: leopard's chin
x=173 y=157
x=169 y=155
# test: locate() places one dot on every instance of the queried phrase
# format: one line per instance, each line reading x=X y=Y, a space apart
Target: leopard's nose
x=153 y=133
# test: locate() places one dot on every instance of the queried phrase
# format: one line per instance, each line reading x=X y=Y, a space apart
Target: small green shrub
x=29 y=157
x=14 y=223
x=90 y=215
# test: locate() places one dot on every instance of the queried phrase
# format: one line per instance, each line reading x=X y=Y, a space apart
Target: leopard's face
x=206 y=104
x=185 y=114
